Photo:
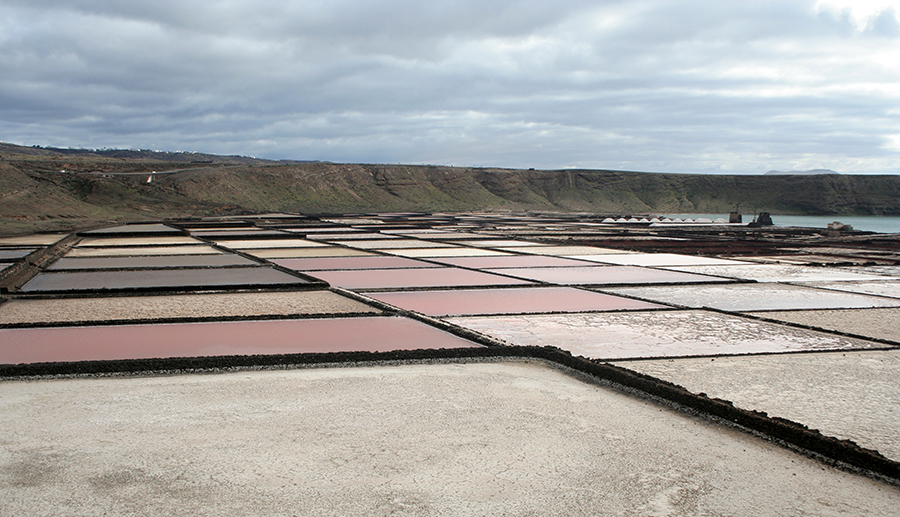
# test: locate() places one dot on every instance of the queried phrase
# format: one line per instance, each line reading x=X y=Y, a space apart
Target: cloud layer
x=703 y=86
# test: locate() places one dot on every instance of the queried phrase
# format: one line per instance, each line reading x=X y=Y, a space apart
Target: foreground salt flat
x=849 y=395
x=512 y=438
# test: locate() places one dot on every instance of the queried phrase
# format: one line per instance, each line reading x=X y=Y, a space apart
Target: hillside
x=42 y=188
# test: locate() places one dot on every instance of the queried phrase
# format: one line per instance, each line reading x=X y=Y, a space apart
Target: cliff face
x=94 y=187
x=627 y=191
x=341 y=188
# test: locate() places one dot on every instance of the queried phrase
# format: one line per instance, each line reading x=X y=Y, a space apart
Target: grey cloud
x=656 y=85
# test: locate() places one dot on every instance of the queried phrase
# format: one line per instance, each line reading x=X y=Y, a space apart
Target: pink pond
x=405 y=278
x=606 y=275
x=373 y=262
x=509 y=301
x=38 y=345
x=512 y=261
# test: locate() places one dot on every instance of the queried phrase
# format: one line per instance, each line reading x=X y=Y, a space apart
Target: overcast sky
x=652 y=85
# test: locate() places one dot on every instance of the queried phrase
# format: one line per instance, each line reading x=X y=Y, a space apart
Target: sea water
x=880 y=224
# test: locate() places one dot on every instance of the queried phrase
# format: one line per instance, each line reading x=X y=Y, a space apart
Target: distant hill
x=43 y=188
x=811 y=172
x=133 y=154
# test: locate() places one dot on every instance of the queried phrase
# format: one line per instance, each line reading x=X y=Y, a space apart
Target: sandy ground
x=137 y=241
x=29 y=240
x=210 y=278
x=516 y=438
x=849 y=395
x=137 y=251
x=209 y=305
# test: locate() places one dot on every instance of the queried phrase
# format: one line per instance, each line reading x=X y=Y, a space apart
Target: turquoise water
x=880 y=224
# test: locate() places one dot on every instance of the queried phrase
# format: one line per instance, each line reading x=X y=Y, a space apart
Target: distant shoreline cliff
x=38 y=184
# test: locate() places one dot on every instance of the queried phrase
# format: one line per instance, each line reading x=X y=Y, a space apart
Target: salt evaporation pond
x=619 y=335
x=409 y=278
x=509 y=301
x=119 y=342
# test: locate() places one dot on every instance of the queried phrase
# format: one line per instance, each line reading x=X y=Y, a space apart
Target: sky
x=645 y=85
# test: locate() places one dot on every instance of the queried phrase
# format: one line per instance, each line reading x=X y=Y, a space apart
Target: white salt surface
x=499 y=243
x=655 y=334
x=319 y=229
x=890 y=288
x=318 y=251
x=515 y=438
x=781 y=273
x=848 y=395
x=353 y=220
x=883 y=323
x=893 y=271
x=416 y=232
x=350 y=236
x=382 y=244
x=459 y=251
x=251 y=244
x=659 y=259
x=564 y=251
x=754 y=297
x=447 y=235
x=221 y=228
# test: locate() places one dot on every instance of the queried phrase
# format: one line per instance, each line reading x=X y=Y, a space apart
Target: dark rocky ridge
x=100 y=186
